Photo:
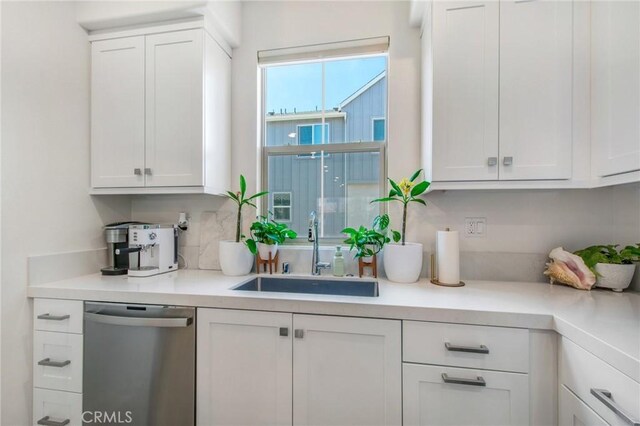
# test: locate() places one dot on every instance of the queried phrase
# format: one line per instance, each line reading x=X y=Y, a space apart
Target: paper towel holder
x=434 y=278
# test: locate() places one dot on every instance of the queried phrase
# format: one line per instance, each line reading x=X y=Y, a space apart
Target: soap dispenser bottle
x=338 y=263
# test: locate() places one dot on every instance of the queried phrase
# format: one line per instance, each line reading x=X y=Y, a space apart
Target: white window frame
x=373 y=121
x=290 y=206
x=319 y=151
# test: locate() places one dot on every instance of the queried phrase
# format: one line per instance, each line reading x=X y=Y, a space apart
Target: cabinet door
x=465 y=90
x=57 y=406
x=573 y=412
x=244 y=368
x=117 y=112
x=428 y=400
x=346 y=371
x=174 y=115
x=615 y=86
x=535 y=89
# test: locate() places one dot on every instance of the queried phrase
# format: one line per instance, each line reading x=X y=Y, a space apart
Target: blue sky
x=300 y=86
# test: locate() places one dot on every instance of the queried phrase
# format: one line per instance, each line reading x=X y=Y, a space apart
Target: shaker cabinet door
x=536 y=45
x=174 y=109
x=465 y=90
x=117 y=112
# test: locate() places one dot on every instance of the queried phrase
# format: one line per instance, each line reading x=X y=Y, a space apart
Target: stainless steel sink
x=363 y=288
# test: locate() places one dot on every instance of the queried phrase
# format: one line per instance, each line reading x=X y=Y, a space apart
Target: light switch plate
x=475 y=226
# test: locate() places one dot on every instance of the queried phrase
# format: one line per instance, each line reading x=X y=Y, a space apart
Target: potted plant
x=614 y=269
x=235 y=257
x=369 y=242
x=403 y=261
x=266 y=235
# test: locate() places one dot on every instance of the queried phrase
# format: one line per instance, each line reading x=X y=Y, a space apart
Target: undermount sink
x=365 y=288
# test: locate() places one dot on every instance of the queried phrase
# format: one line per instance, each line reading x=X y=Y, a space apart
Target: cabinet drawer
x=572 y=411
x=57 y=406
x=435 y=395
x=57 y=315
x=582 y=372
x=492 y=348
x=57 y=361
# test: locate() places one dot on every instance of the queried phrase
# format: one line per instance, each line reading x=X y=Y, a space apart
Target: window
x=378 y=125
x=312 y=134
x=323 y=140
x=281 y=202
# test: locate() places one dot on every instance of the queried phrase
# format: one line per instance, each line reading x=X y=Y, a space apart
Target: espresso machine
x=152 y=249
x=116 y=236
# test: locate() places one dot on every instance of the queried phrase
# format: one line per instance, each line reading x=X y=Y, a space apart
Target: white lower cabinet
x=434 y=395
x=52 y=407
x=573 y=412
x=263 y=368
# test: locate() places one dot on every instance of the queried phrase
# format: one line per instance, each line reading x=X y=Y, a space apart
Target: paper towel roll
x=448 y=257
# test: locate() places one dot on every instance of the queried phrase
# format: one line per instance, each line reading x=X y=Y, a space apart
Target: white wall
x=45 y=170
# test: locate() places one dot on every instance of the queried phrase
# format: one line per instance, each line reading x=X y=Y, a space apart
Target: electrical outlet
x=475 y=226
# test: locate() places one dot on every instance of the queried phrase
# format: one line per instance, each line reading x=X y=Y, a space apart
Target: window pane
x=293 y=96
x=305 y=135
x=356 y=88
x=339 y=187
x=378 y=129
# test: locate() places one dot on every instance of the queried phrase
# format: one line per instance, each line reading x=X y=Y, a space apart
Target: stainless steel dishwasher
x=139 y=364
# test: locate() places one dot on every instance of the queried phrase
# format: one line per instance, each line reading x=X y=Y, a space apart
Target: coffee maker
x=116 y=236
x=152 y=249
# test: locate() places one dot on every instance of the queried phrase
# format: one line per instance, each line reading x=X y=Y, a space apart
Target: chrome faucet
x=316 y=266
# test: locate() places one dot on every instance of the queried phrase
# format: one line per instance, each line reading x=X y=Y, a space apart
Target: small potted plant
x=235 y=257
x=369 y=242
x=403 y=261
x=614 y=269
x=266 y=235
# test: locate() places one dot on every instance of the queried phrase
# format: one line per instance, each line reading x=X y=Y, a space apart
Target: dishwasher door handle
x=138 y=321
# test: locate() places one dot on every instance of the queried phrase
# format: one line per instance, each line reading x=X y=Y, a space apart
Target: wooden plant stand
x=373 y=265
x=273 y=264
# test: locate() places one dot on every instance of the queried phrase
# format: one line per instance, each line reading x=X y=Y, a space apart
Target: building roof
x=361 y=90
x=304 y=115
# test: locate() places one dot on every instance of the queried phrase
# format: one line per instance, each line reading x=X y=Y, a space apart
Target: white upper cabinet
x=465 y=90
x=160 y=112
x=174 y=114
x=615 y=87
x=117 y=112
x=502 y=91
x=535 y=90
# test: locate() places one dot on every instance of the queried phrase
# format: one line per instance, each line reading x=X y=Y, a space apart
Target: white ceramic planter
x=235 y=258
x=615 y=277
x=265 y=249
x=403 y=264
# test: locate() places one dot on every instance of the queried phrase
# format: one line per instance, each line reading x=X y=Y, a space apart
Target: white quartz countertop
x=603 y=322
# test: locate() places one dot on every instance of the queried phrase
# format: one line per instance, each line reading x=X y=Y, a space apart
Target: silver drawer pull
x=482 y=349
x=479 y=381
x=46 y=421
x=147 y=171
x=284 y=331
x=48 y=363
x=298 y=333
x=50 y=317
x=137 y=171
x=492 y=161
x=604 y=396
x=507 y=161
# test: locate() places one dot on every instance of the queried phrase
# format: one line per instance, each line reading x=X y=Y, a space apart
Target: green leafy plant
x=609 y=254
x=405 y=192
x=241 y=199
x=369 y=242
x=268 y=231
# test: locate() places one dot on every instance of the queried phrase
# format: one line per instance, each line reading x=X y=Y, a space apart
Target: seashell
x=567 y=268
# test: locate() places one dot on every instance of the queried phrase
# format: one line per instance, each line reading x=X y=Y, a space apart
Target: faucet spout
x=316 y=266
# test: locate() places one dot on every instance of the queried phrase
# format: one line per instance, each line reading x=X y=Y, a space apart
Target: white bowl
x=615 y=277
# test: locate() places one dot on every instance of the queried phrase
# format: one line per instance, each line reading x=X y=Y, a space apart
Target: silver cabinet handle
x=137 y=171
x=492 y=161
x=147 y=171
x=50 y=317
x=604 y=396
x=284 y=331
x=299 y=334
x=478 y=381
x=46 y=421
x=482 y=349
x=138 y=321
x=48 y=363
x=507 y=161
